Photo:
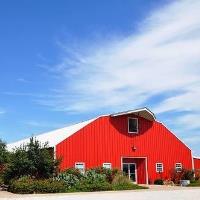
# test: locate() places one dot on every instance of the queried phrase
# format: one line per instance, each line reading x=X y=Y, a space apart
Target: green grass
x=194 y=184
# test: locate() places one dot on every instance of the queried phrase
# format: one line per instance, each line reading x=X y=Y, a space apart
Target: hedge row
x=30 y=186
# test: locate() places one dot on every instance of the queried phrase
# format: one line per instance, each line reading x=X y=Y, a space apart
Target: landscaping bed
x=72 y=180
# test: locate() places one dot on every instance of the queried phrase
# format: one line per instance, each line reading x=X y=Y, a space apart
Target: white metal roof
x=53 y=137
x=142 y=112
x=195 y=157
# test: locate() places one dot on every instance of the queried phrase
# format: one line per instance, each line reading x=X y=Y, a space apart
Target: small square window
x=107 y=165
x=159 y=167
x=132 y=125
x=80 y=166
x=178 y=167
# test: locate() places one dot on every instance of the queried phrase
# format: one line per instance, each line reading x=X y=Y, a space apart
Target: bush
x=3 y=154
x=22 y=186
x=70 y=180
x=33 y=159
x=195 y=183
x=1 y=181
x=109 y=173
x=49 y=186
x=123 y=183
x=197 y=175
x=184 y=174
x=158 y=182
x=93 y=181
x=73 y=171
x=86 y=186
x=27 y=185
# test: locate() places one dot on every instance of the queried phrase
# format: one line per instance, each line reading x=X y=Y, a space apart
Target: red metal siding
x=197 y=163
x=107 y=140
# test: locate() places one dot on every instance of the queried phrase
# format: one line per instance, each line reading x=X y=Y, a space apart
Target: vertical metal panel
x=197 y=163
x=107 y=140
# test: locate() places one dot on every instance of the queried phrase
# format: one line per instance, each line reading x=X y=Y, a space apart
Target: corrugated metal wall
x=197 y=163
x=107 y=140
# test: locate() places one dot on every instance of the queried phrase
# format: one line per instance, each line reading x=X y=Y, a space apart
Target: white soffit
x=143 y=112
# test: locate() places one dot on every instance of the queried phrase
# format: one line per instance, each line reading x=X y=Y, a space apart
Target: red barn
x=197 y=166
x=133 y=141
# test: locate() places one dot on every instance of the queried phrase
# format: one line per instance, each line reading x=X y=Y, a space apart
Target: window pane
x=133 y=125
x=80 y=166
x=159 y=167
x=132 y=177
x=107 y=165
x=125 y=169
x=178 y=167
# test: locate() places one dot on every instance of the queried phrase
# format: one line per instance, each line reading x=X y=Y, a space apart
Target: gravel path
x=155 y=193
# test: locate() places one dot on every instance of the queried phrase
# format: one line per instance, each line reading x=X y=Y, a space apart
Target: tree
x=3 y=155
x=33 y=159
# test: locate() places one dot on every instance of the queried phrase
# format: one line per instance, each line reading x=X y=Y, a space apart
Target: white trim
x=137 y=125
x=134 y=111
x=178 y=169
x=193 y=168
x=146 y=165
x=159 y=167
x=147 y=174
x=107 y=164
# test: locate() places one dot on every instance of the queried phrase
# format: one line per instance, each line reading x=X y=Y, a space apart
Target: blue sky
x=62 y=62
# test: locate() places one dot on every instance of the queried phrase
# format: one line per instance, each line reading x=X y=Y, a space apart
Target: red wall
x=107 y=140
x=197 y=163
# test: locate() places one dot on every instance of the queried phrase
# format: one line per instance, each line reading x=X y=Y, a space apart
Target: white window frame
x=80 y=163
x=106 y=164
x=128 y=125
x=179 y=168
x=162 y=167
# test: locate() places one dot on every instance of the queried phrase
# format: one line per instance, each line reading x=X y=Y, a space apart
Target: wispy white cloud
x=2 y=111
x=124 y=72
x=22 y=80
x=192 y=140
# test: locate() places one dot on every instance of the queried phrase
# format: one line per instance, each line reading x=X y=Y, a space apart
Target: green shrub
x=129 y=186
x=121 y=182
x=1 y=181
x=93 y=181
x=109 y=173
x=158 y=182
x=73 y=171
x=4 y=154
x=34 y=159
x=187 y=175
x=70 y=180
x=49 y=186
x=86 y=186
x=194 y=183
x=22 y=186
x=27 y=185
